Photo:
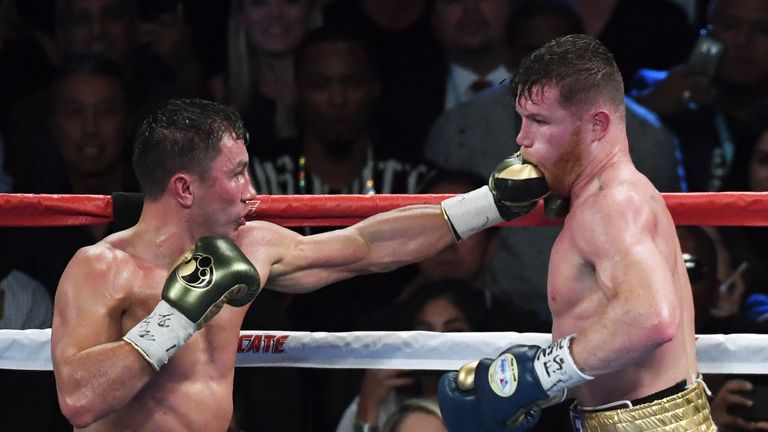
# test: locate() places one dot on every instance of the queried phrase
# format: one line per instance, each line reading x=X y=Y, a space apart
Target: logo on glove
x=502 y=375
x=197 y=272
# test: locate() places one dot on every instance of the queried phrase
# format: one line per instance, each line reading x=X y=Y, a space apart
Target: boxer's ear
x=600 y=121
x=181 y=189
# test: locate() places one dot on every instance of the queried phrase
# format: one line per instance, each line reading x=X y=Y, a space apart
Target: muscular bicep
x=309 y=262
x=633 y=274
x=621 y=242
x=86 y=310
x=96 y=372
x=380 y=243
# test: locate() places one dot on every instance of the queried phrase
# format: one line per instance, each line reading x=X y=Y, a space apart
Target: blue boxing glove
x=757 y=307
x=506 y=394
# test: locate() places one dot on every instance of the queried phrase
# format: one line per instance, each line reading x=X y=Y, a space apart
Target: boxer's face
x=89 y=123
x=336 y=94
x=275 y=27
x=550 y=137
x=220 y=199
x=103 y=27
x=758 y=165
x=743 y=26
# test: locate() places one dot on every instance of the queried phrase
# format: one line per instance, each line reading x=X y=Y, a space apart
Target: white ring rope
x=734 y=353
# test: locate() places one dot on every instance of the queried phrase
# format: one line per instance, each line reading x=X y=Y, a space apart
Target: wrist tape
x=158 y=336
x=471 y=212
x=556 y=369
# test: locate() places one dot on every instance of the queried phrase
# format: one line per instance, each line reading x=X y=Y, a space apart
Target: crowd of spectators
x=367 y=97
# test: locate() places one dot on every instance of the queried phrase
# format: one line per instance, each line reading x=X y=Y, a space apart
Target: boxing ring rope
x=722 y=208
x=30 y=349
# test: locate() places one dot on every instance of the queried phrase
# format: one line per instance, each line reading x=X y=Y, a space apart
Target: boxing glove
x=507 y=393
x=213 y=272
x=556 y=207
x=514 y=188
x=756 y=307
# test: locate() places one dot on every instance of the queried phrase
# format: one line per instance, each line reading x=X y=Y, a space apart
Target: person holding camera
x=718 y=295
x=439 y=306
x=709 y=101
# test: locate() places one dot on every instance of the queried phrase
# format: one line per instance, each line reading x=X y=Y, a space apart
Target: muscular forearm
x=405 y=235
x=380 y=243
x=616 y=340
x=99 y=381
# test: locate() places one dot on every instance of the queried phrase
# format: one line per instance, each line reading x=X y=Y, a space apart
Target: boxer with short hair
x=621 y=303
x=135 y=348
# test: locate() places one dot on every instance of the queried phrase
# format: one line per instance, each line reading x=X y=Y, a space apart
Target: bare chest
x=199 y=374
x=212 y=346
x=572 y=290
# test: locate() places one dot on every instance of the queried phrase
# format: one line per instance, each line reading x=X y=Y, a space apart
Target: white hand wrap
x=158 y=336
x=471 y=212
x=556 y=369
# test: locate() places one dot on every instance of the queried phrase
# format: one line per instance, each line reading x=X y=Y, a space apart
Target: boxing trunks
x=678 y=408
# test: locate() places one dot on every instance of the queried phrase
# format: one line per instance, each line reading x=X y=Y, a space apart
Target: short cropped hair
x=183 y=135
x=578 y=66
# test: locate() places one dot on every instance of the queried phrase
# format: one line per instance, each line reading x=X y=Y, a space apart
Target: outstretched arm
x=380 y=243
x=96 y=372
x=398 y=237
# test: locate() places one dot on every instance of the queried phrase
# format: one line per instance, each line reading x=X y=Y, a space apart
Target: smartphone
x=759 y=409
x=415 y=389
x=705 y=56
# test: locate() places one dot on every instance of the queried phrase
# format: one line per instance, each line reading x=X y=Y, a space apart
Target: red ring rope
x=722 y=208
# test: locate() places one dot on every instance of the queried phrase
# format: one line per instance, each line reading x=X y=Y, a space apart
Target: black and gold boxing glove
x=514 y=188
x=215 y=271
x=517 y=186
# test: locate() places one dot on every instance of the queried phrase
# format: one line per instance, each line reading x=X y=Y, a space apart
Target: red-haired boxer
x=618 y=291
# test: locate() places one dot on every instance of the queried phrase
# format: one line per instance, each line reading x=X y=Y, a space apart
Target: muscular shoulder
x=265 y=243
x=259 y=232
x=100 y=256
x=101 y=264
x=619 y=215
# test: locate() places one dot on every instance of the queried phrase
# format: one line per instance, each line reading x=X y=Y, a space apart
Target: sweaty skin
x=616 y=277
x=616 y=281
x=104 y=384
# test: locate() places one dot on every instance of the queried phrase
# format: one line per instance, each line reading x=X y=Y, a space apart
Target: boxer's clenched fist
x=513 y=190
x=506 y=394
x=210 y=274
